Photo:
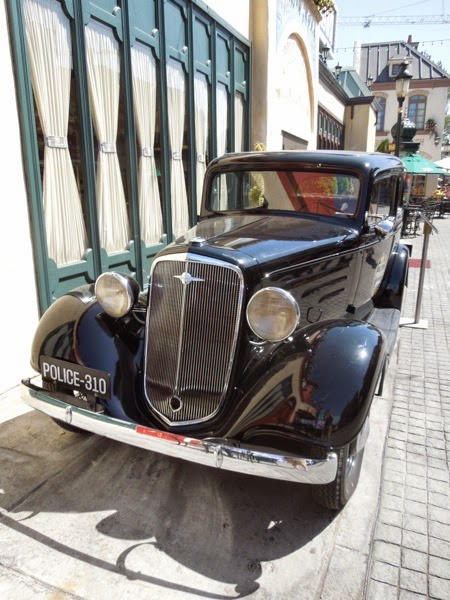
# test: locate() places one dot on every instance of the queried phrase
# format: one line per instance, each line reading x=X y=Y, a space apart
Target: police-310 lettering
x=91 y=383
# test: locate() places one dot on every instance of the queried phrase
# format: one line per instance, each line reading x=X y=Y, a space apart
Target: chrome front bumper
x=205 y=452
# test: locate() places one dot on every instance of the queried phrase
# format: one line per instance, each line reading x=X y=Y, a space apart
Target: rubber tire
x=336 y=494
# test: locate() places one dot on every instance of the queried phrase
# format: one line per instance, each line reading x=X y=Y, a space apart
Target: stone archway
x=294 y=90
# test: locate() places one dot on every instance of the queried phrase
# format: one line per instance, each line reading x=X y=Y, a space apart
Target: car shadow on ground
x=219 y=524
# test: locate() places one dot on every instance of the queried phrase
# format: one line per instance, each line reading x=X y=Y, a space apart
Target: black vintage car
x=264 y=333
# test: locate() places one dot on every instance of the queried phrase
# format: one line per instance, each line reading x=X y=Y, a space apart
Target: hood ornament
x=198 y=241
x=186 y=278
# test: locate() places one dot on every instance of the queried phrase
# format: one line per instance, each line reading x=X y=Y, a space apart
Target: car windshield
x=331 y=194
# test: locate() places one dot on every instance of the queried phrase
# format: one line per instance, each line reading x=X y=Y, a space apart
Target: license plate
x=76 y=377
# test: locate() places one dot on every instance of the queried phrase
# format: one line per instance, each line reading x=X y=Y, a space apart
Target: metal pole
x=428 y=228
x=399 y=126
x=423 y=266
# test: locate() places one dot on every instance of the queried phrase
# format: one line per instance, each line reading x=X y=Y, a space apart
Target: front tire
x=336 y=494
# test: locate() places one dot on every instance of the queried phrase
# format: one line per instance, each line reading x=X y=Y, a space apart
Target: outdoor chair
x=431 y=209
x=410 y=220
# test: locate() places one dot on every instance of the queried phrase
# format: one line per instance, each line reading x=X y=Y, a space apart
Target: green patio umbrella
x=418 y=165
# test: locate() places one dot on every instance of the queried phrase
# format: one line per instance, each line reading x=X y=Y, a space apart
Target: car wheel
x=336 y=494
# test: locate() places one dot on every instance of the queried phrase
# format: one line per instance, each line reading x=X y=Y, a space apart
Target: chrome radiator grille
x=192 y=327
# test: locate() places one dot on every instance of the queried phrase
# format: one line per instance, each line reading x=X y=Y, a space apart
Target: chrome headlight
x=273 y=314
x=116 y=293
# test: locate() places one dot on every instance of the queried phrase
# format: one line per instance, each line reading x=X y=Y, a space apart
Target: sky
x=434 y=39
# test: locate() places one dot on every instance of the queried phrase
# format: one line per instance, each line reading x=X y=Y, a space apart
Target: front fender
x=115 y=346
x=76 y=329
x=317 y=389
x=54 y=335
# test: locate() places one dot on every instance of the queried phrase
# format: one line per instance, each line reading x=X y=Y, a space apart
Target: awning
x=418 y=165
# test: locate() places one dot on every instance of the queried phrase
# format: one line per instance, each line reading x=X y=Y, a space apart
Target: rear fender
x=317 y=388
x=390 y=293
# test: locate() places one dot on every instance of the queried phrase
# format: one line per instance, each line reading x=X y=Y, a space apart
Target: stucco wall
x=360 y=123
x=286 y=53
x=259 y=36
x=371 y=125
x=436 y=106
x=18 y=302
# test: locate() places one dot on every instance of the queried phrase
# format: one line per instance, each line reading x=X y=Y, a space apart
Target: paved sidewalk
x=410 y=554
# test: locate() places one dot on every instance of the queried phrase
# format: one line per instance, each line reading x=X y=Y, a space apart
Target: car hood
x=268 y=238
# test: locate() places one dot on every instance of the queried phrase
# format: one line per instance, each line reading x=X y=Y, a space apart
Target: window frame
x=304 y=192
x=419 y=106
x=374 y=215
x=381 y=115
x=129 y=24
x=330 y=132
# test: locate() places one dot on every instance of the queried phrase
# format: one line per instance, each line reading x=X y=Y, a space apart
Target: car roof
x=366 y=162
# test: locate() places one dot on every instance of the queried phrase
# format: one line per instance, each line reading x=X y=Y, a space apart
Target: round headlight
x=273 y=314
x=116 y=293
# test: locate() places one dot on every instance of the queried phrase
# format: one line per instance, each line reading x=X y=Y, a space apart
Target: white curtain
x=201 y=131
x=144 y=94
x=222 y=129
x=176 y=106
x=102 y=53
x=49 y=49
x=239 y=123
x=222 y=119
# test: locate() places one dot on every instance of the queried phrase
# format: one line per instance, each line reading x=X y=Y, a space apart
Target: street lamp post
x=401 y=89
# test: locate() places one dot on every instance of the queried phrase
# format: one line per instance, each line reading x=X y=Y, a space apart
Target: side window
x=382 y=199
x=416 y=110
x=381 y=114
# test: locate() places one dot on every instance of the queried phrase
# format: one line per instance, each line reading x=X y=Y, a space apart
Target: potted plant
x=431 y=127
x=325 y=6
x=383 y=146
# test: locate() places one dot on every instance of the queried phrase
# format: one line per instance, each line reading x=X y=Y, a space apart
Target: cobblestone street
x=410 y=556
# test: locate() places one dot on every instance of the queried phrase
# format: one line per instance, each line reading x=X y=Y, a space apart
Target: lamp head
x=402 y=81
x=325 y=53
